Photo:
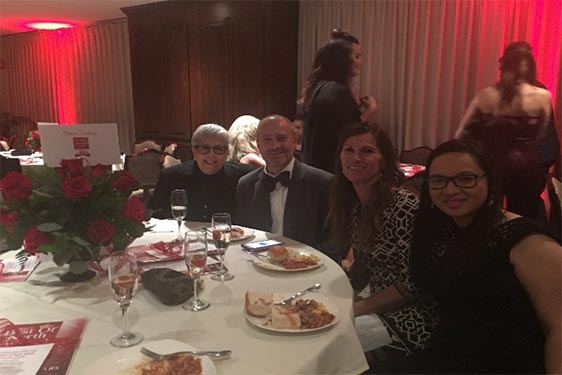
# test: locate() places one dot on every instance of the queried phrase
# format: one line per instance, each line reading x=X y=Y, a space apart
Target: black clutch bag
x=169 y=286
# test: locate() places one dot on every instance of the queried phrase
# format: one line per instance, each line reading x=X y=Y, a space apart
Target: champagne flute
x=124 y=280
x=178 y=201
x=195 y=252
x=221 y=236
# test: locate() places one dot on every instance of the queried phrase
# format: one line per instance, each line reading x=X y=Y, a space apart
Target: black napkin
x=169 y=286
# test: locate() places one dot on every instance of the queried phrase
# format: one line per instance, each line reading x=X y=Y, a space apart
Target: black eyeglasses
x=465 y=181
x=218 y=150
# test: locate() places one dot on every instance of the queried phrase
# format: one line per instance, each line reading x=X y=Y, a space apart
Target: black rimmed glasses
x=464 y=181
x=204 y=149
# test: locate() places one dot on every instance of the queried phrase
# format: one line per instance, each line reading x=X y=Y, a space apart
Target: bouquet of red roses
x=33 y=141
x=71 y=211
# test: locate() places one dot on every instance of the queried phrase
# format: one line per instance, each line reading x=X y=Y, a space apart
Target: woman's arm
x=468 y=115
x=537 y=261
x=399 y=232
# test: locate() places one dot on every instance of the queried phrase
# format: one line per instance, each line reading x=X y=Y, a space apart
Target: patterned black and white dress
x=387 y=263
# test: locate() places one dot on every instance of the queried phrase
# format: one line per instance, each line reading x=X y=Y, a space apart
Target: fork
x=222 y=354
x=287 y=301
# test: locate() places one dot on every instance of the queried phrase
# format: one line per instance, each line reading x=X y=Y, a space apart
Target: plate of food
x=306 y=314
x=286 y=259
x=240 y=234
x=130 y=361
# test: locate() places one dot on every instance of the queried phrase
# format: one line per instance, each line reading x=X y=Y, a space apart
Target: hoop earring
x=491 y=202
x=432 y=206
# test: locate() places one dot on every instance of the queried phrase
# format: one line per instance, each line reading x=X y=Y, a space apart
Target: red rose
x=101 y=231
x=125 y=181
x=134 y=209
x=33 y=238
x=76 y=187
x=35 y=135
x=9 y=218
x=16 y=186
x=99 y=170
x=72 y=167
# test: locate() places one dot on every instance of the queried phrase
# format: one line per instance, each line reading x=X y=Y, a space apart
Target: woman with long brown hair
x=368 y=202
x=328 y=99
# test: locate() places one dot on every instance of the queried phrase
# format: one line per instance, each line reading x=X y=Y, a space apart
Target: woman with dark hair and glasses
x=368 y=202
x=328 y=100
x=496 y=275
x=509 y=120
x=209 y=180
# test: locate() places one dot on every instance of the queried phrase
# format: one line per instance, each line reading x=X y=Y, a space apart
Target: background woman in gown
x=509 y=121
x=495 y=274
x=329 y=103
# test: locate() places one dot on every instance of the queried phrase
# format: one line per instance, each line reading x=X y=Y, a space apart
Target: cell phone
x=260 y=245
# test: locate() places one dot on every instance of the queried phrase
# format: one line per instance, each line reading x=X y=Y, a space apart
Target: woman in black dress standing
x=329 y=102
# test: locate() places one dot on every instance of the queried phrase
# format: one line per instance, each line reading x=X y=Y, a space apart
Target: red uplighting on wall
x=48 y=25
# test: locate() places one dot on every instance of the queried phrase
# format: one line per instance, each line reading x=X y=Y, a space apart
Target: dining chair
x=418 y=155
x=146 y=144
x=145 y=165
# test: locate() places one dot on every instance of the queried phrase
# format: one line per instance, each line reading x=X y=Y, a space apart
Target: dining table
x=333 y=350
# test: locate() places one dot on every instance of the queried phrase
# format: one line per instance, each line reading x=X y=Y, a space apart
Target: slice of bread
x=278 y=253
x=285 y=318
x=258 y=304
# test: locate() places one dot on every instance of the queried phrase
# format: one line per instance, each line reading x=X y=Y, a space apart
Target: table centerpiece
x=73 y=212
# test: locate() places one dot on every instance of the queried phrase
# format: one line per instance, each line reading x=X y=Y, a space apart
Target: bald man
x=285 y=197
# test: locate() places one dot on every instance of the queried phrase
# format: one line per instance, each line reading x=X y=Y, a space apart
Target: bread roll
x=258 y=304
x=278 y=253
x=285 y=318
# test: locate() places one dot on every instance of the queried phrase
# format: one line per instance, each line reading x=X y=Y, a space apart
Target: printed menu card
x=38 y=348
x=13 y=269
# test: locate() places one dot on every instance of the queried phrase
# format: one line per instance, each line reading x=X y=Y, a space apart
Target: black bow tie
x=269 y=182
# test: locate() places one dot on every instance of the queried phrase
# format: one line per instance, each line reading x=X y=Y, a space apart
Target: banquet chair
x=146 y=144
x=9 y=165
x=145 y=165
x=418 y=155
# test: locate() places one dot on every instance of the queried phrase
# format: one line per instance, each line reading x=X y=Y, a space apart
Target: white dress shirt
x=277 y=199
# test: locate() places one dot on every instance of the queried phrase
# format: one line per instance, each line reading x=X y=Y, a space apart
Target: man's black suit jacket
x=306 y=207
x=206 y=194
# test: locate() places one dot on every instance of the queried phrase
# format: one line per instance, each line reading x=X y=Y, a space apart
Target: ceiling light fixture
x=48 y=25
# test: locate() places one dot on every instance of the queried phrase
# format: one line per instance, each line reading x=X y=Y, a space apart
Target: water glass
x=195 y=252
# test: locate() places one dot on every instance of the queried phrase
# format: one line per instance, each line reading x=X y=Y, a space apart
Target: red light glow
x=48 y=25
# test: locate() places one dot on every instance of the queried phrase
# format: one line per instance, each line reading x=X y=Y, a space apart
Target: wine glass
x=221 y=236
x=124 y=280
x=195 y=252
x=178 y=201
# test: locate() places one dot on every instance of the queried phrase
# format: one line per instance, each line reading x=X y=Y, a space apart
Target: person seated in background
x=209 y=180
x=509 y=120
x=367 y=200
x=328 y=100
x=242 y=140
x=285 y=197
x=496 y=275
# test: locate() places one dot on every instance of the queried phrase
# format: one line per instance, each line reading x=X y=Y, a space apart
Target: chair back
x=146 y=144
x=418 y=155
x=9 y=165
x=145 y=165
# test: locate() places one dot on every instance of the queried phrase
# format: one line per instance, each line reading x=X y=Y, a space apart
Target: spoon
x=223 y=354
x=288 y=301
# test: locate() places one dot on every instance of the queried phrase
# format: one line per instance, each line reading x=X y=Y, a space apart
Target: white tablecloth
x=222 y=326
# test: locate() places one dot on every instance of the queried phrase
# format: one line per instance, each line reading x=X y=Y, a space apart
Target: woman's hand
x=347 y=262
x=369 y=107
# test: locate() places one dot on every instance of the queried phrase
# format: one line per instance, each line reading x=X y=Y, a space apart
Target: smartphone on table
x=258 y=246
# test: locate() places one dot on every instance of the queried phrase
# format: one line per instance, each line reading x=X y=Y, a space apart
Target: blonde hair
x=242 y=137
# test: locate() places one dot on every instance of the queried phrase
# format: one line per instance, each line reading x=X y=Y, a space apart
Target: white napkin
x=372 y=332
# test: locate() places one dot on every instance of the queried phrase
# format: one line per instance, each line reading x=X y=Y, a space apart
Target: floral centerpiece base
x=78 y=271
x=77 y=214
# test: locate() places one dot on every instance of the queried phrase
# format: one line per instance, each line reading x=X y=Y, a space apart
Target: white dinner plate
x=126 y=361
x=262 y=260
x=265 y=323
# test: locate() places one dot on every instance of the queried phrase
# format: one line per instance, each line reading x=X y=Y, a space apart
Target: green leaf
x=77 y=266
x=49 y=227
x=62 y=257
x=80 y=241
